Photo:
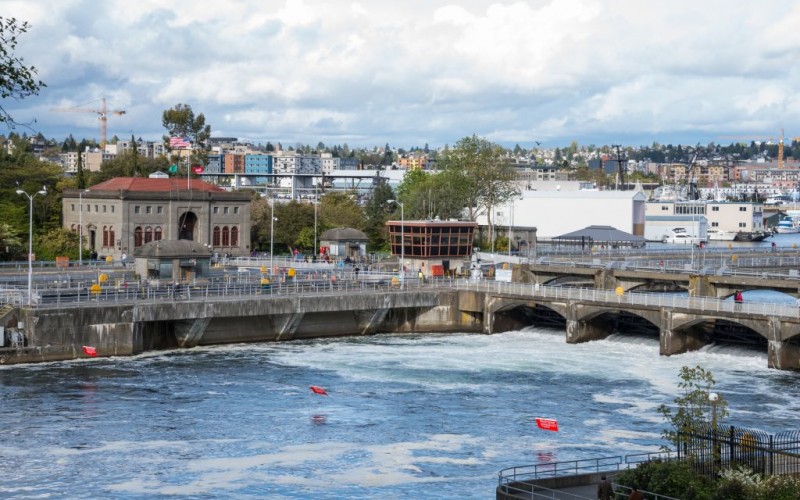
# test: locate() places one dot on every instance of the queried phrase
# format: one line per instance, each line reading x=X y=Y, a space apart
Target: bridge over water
x=127 y=321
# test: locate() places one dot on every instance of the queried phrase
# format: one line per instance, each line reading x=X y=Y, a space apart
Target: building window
x=72 y=228
x=157 y=233
x=104 y=208
x=225 y=237
x=742 y=224
x=111 y=236
x=148 y=209
x=715 y=209
x=137 y=237
x=88 y=208
x=715 y=224
x=112 y=209
x=743 y=209
x=664 y=208
x=97 y=208
x=136 y=209
x=234 y=236
x=160 y=210
x=225 y=210
x=216 y=210
x=105 y=236
x=73 y=207
x=236 y=210
x=148 y=234
x=215 y=239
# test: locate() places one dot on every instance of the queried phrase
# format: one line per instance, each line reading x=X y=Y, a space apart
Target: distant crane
x=752 y=137
x=103 y=112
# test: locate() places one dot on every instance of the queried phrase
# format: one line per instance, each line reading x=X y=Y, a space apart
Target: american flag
x=179 y=142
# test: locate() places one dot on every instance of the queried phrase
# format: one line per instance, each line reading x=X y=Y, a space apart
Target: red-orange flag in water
x=90 y=351
x=547 y=424
x=318 y=390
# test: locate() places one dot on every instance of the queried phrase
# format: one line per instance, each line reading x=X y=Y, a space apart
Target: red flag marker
x=547 y=424
x=90 y=351
x=318 y=390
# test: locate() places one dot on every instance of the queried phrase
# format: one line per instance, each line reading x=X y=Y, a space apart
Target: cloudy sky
x=410 y=72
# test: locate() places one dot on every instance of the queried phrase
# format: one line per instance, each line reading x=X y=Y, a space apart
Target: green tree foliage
x=180 y=121
x=80 y=177
x=672 y=478
x=377 y=215
x=293 y=227
x=485 y=178
x=17 y=81
x=694 y=405
x=128 y=164
x=11 y=245
x=56 y=242
x=427 y=195
x=21 y=170
x=340 y=210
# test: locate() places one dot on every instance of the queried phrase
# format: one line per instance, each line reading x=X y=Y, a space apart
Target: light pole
x=713 y=398
x=315 y=221
x=80 y=227
x=30 y=239
x=402 y=241
x=271 y=233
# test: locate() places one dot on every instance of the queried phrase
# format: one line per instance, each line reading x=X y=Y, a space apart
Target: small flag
x=179 y=142
x=197 y=169
x=90 y=351
x=547 y=424
x=318 y=390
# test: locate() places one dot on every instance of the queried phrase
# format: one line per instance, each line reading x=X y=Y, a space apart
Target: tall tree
x=377 y=215
x=485 y=178
x=17 y=81
x=695 y=405
x=80 y=176
x=180 y=121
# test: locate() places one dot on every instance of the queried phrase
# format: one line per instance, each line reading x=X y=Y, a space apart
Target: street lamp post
x=315 y=221
x=402 y=241
x=80 y=227
x=713 y=398
x=271 y=233
x=30 y=239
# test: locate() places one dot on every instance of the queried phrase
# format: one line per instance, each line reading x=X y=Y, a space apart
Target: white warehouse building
x=554 y=213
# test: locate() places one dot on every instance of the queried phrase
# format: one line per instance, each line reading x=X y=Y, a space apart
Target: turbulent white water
x=406 y=416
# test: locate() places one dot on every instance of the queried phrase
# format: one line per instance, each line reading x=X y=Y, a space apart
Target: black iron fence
x=710 y=449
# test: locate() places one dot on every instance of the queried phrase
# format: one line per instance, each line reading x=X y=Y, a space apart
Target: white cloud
x=419 y=71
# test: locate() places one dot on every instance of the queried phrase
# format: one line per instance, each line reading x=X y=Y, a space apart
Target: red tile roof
x=153 y=185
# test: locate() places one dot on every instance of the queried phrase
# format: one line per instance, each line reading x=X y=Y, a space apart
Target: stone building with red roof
x=123 y=213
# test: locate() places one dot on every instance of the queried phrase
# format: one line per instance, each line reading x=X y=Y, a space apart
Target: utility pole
x=619 y=167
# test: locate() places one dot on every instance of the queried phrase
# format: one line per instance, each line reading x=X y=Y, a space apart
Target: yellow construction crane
x=103 y=112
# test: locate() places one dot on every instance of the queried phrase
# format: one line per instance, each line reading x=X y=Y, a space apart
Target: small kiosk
x=172 y=261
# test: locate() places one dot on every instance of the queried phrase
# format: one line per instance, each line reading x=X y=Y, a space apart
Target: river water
x=405 y=416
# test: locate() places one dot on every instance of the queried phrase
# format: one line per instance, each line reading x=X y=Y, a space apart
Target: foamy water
x=406 y=416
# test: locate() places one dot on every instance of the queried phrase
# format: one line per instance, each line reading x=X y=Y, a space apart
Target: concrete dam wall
x=52 y=334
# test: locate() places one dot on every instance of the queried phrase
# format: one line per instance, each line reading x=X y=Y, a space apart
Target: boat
x=721 y=235
x=787 y=225
x=679 y=236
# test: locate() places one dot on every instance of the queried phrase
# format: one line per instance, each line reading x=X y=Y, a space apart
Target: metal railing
x=249 y=286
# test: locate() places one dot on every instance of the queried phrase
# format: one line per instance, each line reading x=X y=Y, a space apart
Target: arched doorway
x=186 y=225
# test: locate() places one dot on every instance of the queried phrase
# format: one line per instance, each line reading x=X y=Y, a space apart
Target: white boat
x=679 y=236
x=787 y=225
x=720 y=235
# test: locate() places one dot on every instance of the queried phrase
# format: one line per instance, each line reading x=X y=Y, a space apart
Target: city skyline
x=549 y=72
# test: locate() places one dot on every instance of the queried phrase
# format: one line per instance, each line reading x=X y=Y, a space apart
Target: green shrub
x=671 y=478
